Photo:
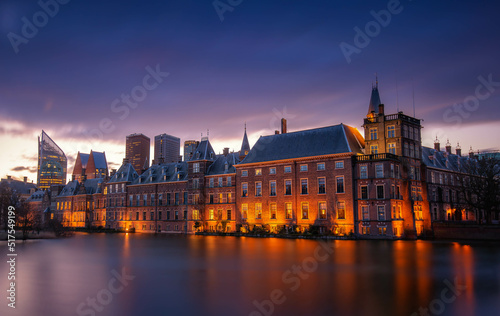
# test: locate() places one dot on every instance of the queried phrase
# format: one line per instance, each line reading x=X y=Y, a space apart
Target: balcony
x=401 y=116
x=375 y=157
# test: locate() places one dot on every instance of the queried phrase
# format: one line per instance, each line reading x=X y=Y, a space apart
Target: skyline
x=261 y=63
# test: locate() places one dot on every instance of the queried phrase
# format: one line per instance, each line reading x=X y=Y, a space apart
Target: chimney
x=448 y=146
x=9 y=178
x=471 y=153
x=226 y=151
x=25 y=179
x=283 y=126
x=276 y=132
x=459 y=150
x=437 y=146
x=381 y=109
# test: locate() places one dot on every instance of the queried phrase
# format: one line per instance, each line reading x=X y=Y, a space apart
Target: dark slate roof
x=245 y=145
x=37 y=196
x=20 y=187
x=84 y=158
x=92 y=186
x=126 y=173
x=100 y=160
x=314 y=142
x=442 y=160
x=204 y=151
x=220 y=163
x=70 y=189
x=374 y=100
x=166 y=172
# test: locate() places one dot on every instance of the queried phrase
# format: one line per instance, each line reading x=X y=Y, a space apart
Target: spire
x=375 y=98
x=245 y=146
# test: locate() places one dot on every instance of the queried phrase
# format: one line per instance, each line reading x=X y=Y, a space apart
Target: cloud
x=23 y=168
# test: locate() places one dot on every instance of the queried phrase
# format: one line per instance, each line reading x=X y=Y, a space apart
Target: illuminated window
x=392 y=148
x=196 y=215
x=288 y=208
x=305 y=210
x=244 y=189
x=303 y=185
x=258 y=188
x=381 y=212
x=272 y=211
x=210 y=214
x=258 y=172
x=364 y=192
x=244 y=211
x=340 y=210
x=322 y=210
x=258 y=210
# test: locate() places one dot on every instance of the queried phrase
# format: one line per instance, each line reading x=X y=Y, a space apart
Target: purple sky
x=265 y=58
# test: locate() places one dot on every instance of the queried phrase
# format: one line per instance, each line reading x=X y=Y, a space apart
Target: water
x=193 y=275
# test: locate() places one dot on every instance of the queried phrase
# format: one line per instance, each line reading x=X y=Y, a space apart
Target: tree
x=480 y=181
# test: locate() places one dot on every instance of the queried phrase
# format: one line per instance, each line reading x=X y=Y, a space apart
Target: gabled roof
x=99 y=160
x=442 y=160
x=328 y=140
x=166 y=172
x=220 y=163
x=70 y=189
x=84 y=159
x=204 y=151
x=126 y=173
x=92 y=186
x=245 y=145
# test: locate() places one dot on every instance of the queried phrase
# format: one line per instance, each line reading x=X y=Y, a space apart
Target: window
x=272 y=188
x=196 y=167
x=373 y=133
x=229 y=197
x=365 y=230
x=176 y=196
x=405 y=131
x=288 y=209
x=303 y=185
x=160 y=199
x=145 y=200
x=258 y=188
x=381 y=212
x=321 y=166
x=258 y=210
x=244 y=173
x=288 y=169
x=244 y=189
x=412 y=150
x=210 y=214
x=391 y=131
x=131 y=200
x=364 y=192
x=321 y=186
x=305 y=210
x=392 y=148
x=380 y=192
x=228 y=214
x=185 y=198
x=412 y=173
x=152 y=199
x=211 y=198
x=272 y=211
x=196 y=183
x=272 y=170
x=303 y=167
x=196 y=215
x=406 y=149
x=288 y=187
x=339 y=165
x=340 y=210
x=228 y=181
x=382 y=230
x=220 y=182
x=322 y=210
x=258 y=172
x=340 y=184
x=379 y=170
x=374 y=149
x=244 y=211
x=211 y=183
x=143 y=216
x=363 y=172
x=365 y=212
x=411 y=132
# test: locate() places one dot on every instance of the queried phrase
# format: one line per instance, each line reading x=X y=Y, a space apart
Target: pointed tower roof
x=245 y=146
x=374 y=99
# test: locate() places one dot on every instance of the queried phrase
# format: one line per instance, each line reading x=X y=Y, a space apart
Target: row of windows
x=145 y=201
x=444 y=178
x=288 y=210
x=288 y=169
x=304 y=187
x=130 y=216
x=220 y=182
x=408 y=132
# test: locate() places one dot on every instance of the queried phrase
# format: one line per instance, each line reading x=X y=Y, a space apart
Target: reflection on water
x=196 y=275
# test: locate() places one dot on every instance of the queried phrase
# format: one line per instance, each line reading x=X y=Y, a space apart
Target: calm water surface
x=193 y=275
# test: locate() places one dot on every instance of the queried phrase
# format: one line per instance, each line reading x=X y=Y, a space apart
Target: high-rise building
x=52 y=163
x=167 y=148
x=189 y=149
x=137 y=151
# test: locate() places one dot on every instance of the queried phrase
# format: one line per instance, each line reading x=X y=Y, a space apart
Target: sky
x=91 y=72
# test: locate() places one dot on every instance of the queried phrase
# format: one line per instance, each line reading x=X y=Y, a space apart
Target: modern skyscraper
x=52 y=163
x=137 y=151
x=167 y=148
x=189 y=148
